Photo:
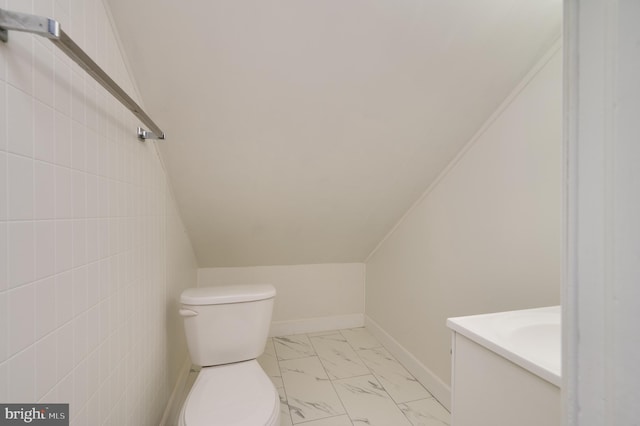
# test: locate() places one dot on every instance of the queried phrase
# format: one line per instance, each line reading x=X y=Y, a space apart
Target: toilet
x=227 y=329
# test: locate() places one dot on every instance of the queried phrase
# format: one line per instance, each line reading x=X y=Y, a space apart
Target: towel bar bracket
x=24 y=22
x=145 y=134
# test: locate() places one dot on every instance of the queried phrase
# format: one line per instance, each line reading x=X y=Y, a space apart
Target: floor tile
x=330 y=421
x=367 y=403
x=310 y=394
x=291 y=347
x=359 y=338
x=397 y=381
x=269 y=363
x=338 y=357
x=285 y=417
x=426 y=412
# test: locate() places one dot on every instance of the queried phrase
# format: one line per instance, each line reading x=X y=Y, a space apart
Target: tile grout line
x=315 y=355
x=333 y=386
x=357 y=352
x=284 y=389
x=372 y=372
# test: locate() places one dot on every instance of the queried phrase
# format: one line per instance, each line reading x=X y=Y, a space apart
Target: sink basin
x=530 y=338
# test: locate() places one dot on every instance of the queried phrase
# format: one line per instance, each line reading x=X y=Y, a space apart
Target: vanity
x=506 y=368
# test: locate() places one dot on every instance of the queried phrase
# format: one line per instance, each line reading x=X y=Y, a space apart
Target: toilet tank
x=226 y=324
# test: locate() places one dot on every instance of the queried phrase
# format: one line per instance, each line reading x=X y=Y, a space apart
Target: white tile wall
x=84 y=254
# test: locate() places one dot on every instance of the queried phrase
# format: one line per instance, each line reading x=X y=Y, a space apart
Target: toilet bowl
x=226 y=330
x=238 y=394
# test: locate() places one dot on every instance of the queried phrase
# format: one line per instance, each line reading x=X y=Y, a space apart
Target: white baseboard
x=313 y=325
x=174 y=405
x=440 y=390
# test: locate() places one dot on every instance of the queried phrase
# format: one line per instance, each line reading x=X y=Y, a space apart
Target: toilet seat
x=239 y=394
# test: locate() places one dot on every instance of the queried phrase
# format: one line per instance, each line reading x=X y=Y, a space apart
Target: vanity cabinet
x=490 y=388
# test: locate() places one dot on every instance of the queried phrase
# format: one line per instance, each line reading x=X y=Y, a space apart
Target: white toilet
x=227 y=329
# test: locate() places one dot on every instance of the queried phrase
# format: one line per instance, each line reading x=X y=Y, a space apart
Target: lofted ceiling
x=300 y=131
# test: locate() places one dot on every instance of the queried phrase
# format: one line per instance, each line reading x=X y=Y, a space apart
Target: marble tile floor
x=346 y=378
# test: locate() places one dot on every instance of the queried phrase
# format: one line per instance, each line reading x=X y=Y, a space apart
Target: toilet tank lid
x=220 y=295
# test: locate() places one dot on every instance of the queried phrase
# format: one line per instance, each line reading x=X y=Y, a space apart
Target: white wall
x=308 y=296
x=182 y=273
x=486 y=237
x=601 y=293
x=88 y=259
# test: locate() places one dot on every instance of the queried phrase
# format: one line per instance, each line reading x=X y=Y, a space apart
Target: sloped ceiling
x=300 y=131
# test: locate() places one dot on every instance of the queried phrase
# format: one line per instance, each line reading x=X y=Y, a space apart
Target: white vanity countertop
x=529 y=338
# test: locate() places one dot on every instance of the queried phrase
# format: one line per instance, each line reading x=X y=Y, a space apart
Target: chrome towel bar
x=51 y=29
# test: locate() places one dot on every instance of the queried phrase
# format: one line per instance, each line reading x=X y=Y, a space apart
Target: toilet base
x=239 y=394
